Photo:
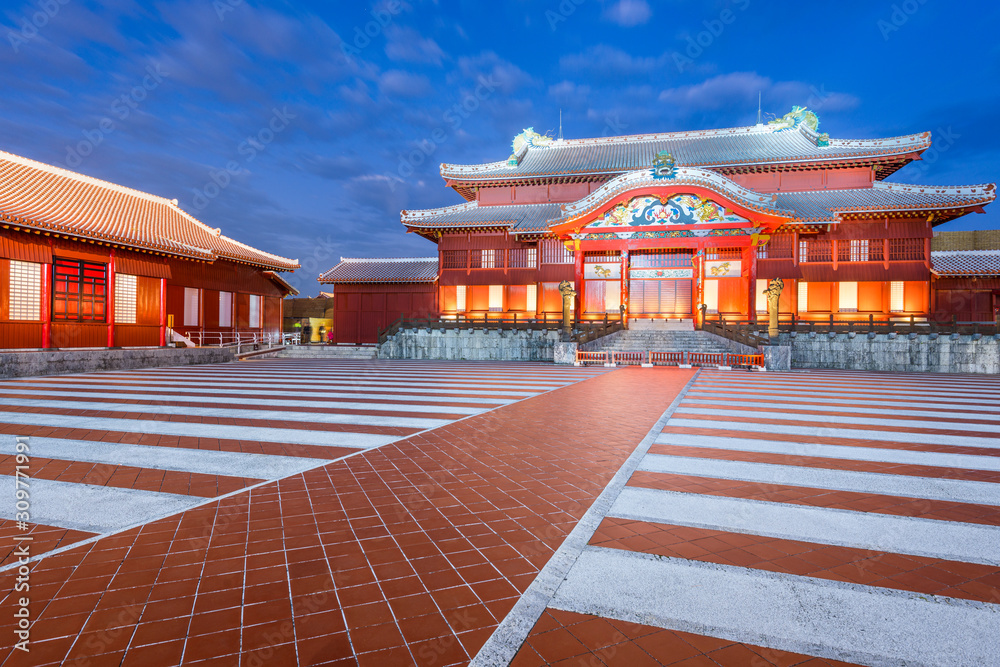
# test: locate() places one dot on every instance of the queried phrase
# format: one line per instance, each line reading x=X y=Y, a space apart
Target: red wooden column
x=163 y=312
x=751 y=259
x=46 y=313
x=699 y=290
x=625 y=284
x=578 y=277
x=109 y=304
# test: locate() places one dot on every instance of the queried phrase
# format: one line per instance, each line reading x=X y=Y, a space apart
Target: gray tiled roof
x=966 y=262
x=807 y=206
x=742 y=146
x=383 y=270
x=516 y=216
x=823 y=205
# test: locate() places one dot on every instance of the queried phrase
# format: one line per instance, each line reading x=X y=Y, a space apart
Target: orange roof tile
x=42 y=197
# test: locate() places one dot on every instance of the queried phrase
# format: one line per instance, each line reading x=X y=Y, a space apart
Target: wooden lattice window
x=79 y=291
x=906 y=250
x=455 y=259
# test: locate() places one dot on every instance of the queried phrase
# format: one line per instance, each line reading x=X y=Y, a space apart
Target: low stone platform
x=24 y=363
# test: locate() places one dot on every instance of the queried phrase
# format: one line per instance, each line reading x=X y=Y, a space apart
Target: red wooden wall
x=363 y=310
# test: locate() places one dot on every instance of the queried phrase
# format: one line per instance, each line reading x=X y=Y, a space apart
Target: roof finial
x=560 y=125
x=759 y=122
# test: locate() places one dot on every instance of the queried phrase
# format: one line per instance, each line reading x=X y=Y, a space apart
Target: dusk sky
x=334 y=116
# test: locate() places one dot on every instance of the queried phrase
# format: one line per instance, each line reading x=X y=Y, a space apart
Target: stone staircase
x=653 y=340
x=328 y=352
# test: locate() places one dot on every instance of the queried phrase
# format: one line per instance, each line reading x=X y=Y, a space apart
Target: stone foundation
x=471 y=345
x=928 y=353
x=20 y=363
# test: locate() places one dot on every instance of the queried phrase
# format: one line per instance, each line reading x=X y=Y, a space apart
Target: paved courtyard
x=287 y=512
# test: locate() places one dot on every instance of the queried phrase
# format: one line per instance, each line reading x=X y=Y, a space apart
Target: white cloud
x=397 y=83
x=408 y=45
x=629 y=13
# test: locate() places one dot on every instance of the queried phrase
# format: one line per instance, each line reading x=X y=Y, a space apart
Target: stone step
x=327 y=352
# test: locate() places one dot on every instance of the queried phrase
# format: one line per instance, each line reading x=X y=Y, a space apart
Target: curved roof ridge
x=751 y=199
x=443 y=210
x=981 y=188
x=388 y=259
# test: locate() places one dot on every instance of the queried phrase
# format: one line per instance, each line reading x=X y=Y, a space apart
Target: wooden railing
x=684 y=359
x=583 y=331
x=754 y=333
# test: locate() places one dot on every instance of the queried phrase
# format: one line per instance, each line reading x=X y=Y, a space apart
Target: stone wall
x=56 y=362
x=470 y=345
x=896 y=354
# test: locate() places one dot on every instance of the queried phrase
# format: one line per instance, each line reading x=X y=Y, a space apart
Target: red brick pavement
x=932 y=576
x=408 y=554
x=569 y=639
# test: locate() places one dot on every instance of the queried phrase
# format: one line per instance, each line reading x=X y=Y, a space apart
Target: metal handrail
x=582 y=332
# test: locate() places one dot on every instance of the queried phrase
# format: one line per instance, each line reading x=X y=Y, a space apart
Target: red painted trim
x=109 y=308
x=163 y=312
x=46 y=305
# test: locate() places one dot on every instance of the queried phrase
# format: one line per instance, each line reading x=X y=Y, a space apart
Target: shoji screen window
x=496 y=298
x=25 y=290
x=848 y=302
x=896 y=296
x=126 y=289
x=532 y=298
x=460 y=298
x=761 y=298
x=191 y=306
x=225 y=309
x=803 y=296
x=254 y=319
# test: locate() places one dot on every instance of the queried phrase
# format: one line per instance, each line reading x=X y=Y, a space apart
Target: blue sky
x=304 y=128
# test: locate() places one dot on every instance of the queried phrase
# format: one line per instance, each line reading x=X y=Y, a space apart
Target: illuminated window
x=460 y=298
x=803 y=251
x=803 y=296
x=848 y=297
x=489 y=259
x=859 y=250
x=79 y=291
x=191 y=310
x=254 y=322
x=612 y=296
x=125 y=298
x=761 y=297
x=896 y=296
x=25 y=290
x=496 y=298
x=532 y=298
x=712 y=295
x=225 y=309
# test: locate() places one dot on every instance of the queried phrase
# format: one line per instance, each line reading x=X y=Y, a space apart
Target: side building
x=87 y=263
x=371 y=294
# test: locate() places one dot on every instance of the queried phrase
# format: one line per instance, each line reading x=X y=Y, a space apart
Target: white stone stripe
x=912 y=388
x=203 y=461
x=928 y=397
x=531 y=379
x=792 y=400
x=95 y=509
x=215 y=431
x=840 y=419
x=871 y=378
x=228 y=413
x=883 y=455
x=818 y=408
x=332 y=406
x=858 y=624
x=805 y=431
x=931 y=488
x=227 y=384
x=948 y=540
x=465 y=395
